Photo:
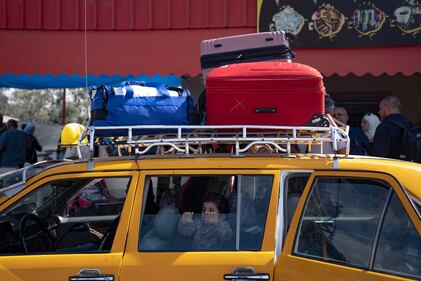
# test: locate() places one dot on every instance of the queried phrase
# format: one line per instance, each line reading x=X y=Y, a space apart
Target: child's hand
x=187 y=217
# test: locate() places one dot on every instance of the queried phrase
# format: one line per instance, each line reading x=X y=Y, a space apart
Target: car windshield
x=12 y=182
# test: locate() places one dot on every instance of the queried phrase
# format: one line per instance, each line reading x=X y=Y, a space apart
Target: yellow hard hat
x=70 y=134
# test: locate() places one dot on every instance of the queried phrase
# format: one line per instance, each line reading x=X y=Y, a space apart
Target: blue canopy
x=25 y=81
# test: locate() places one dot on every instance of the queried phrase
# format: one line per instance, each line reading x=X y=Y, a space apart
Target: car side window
x=100 y=197
x=340 y=220
x=399 y=246
x=65 y=216
x=295 y=187
x=204 y=213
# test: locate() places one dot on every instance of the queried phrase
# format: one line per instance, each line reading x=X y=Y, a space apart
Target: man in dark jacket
x=14 y=144
x=31 y=154
x=388 y=136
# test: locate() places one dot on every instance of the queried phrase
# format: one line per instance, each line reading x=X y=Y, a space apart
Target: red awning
x=362 y=61
x=170 y=52
x=108 y=52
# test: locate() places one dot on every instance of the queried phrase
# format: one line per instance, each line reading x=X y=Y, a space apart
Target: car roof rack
x=186 y=140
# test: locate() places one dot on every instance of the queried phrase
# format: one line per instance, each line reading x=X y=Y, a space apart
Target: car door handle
x=246 y=273
x=91 y=274
x=238 y=277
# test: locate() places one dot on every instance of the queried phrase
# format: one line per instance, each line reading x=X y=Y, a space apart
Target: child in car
x=211 y=231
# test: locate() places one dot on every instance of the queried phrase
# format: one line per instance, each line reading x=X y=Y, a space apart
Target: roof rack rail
x=198 y=139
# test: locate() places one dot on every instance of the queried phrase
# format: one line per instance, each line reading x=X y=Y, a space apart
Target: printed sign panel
x=343 y=23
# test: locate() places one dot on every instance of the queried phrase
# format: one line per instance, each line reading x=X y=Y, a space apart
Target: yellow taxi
x=235 y=215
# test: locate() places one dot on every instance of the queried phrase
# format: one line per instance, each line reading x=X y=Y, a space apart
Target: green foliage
x=45 y=106
x=77 y=106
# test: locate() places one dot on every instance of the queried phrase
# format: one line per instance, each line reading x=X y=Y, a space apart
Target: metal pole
x=63 y=110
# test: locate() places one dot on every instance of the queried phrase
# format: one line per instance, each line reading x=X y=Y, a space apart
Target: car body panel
x=55 y=266
x=406 y=173
x=197 y=265
x=125 y=261
x=293 y=267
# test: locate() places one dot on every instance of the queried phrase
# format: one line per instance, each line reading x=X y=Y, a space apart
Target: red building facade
x=107 y=37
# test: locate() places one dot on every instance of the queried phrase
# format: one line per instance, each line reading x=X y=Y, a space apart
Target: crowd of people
x=17 y=146
x=379 y=135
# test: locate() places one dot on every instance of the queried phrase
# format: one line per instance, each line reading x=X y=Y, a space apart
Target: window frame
x=120 y=237
x=282 y=220
x=129 y=179
x=312 y=186
x=395 y=188
x=417 y=205
x=374 y=253
x=43 y=185
x=267 y=243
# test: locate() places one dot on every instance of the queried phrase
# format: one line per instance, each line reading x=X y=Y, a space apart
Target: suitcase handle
x=265 y=110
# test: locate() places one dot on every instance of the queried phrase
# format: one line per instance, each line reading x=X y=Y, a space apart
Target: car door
x=65 y=204
x=165 y=245
x=352 y=226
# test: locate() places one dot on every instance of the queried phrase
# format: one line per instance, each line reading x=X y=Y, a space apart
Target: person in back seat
x=211 y=231
x=248 y=216
x=196 y=188
x=164 y=225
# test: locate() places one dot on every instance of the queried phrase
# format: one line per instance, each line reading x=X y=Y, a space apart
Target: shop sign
x=343 y=23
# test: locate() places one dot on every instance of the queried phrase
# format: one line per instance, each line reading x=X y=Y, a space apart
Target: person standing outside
x=31 y=154
x=14 y=145
x=2 y=130
x=329 y=105
x=359 y=140
x=388 y=136
x=2 y=125
x=369 y=124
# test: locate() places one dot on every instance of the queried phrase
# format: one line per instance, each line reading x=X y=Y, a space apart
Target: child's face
x=210 y=213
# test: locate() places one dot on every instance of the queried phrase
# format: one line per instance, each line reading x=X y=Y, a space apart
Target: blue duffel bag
x=139 y=103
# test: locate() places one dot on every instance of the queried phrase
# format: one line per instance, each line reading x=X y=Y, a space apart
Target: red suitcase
x=263 y=93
